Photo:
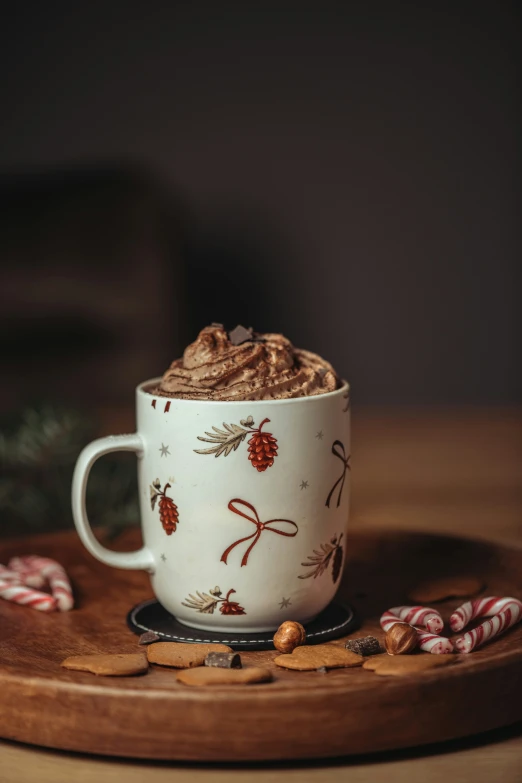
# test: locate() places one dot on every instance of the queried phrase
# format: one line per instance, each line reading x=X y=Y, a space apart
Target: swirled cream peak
x=245 y=366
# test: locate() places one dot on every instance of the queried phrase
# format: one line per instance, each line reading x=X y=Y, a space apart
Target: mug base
x=249 y=631
x=227 y=629
x=334 y=621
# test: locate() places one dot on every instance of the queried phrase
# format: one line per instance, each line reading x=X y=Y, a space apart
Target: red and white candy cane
x=509 y=615
x=419 y=615
x=8 y=575
x=481 y=607
x=35 y=570
x=13 y=591
x=429 y=642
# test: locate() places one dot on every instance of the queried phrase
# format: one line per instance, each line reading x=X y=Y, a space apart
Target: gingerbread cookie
x=181 y=655
x=402 y=665
x=108 y=665
x=204 y=675
x=309 y=657
x=372 y=663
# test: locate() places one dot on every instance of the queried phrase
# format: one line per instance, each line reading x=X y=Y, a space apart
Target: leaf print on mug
x=205 y=603
x=319 y=561
x=262 y=446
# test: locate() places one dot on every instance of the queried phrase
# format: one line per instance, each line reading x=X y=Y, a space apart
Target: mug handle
x=139 y=559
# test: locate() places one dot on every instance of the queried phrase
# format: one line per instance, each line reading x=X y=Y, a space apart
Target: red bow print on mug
x=260 y=526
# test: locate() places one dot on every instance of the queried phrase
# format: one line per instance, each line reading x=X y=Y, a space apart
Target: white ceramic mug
x=244 y=506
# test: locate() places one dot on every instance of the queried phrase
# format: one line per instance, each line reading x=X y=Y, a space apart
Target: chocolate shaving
x=257 y=337
x=223 y=660
x=148 y=637
x=240 y=335
x=367 y=645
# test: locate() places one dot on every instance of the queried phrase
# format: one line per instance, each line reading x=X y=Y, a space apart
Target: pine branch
x=38 y=451
x=201 y=602
x=319 y=561
x=226 y=440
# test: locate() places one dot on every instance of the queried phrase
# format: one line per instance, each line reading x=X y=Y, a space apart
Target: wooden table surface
x=453 y=471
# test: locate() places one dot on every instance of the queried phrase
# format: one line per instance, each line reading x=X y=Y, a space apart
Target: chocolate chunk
x=148 y=637
x=366 y=645
x=223 y=660
x=240 y=335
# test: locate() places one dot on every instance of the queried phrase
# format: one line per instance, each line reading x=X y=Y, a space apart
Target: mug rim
x=141 y=392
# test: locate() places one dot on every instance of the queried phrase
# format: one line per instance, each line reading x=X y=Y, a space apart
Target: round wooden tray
x=299 y=715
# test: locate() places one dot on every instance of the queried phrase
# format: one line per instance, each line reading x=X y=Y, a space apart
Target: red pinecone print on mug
x=231 y=607
x=168 y=511
x=262 y=446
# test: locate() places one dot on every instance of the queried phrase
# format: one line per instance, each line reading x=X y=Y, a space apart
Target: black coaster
x=336 y=620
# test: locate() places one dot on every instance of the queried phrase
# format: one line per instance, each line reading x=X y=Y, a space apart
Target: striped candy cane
x=8 y=575
x=420 y=615
x=429 y=642
x=481 y=607
x=491 y=628
x=35 y=570
x=26 y=596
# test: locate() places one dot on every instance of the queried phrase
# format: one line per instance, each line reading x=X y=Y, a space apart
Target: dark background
x=346 y=173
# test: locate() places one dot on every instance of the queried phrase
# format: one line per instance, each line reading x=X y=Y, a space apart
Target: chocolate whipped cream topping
x=260 y=367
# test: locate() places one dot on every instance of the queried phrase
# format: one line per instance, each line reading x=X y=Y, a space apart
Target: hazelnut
x=288 y=636
x=400 y=639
